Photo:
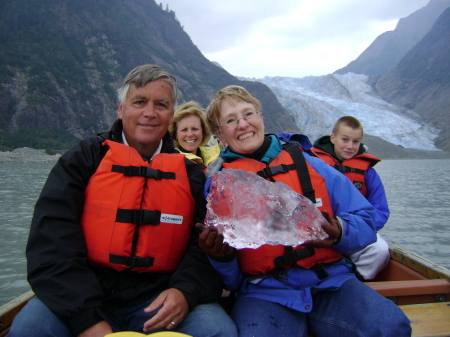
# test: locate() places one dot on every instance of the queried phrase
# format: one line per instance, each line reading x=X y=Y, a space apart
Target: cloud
x=257 y=38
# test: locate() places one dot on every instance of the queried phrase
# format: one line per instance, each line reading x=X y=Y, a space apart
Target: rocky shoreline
x=377 y=147
x=27 y=155
x=385 y=150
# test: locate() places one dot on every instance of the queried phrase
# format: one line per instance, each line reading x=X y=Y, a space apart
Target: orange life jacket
x=266 y=258
x=137 y=214
x=354 y=169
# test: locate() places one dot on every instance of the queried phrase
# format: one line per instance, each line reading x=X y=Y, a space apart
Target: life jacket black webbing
x=142 y=171
x=290 y=255
x=132 y=261
x=139 y=217
x=302 y=170
x=293 y=255
x=299 y=165
x=346 y=169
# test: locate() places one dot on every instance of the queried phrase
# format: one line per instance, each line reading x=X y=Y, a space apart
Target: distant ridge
x=421 y=80
x=389 y=48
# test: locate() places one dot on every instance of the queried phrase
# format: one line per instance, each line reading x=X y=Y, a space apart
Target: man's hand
x=173 y=308
x=211 y=241
x=98 y=330
x=332 y=227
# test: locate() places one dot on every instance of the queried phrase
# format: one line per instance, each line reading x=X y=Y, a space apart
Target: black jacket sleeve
x=56 y=251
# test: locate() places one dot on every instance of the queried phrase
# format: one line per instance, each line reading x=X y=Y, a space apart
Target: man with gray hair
x=112 y=244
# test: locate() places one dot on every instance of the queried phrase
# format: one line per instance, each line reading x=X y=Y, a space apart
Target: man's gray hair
x=142 y=75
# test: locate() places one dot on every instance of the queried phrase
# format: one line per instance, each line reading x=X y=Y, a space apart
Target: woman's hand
x=334 y=230
x=211 y=241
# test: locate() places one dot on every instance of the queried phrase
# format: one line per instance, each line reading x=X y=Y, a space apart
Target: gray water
x=418 y=192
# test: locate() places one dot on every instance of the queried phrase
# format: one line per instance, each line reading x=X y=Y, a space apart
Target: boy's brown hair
x=349 y=121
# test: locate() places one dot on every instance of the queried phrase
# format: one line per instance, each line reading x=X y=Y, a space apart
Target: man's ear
x=119 y=111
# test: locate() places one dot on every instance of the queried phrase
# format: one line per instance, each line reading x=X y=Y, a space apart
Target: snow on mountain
x=316 y=102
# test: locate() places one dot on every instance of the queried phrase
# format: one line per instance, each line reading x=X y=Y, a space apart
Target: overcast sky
x=297 y=38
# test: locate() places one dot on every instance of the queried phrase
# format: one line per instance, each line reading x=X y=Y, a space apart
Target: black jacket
x=58 y=271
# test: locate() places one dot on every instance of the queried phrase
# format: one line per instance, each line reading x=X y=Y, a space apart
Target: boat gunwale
x=418 y=263
x=9 y=310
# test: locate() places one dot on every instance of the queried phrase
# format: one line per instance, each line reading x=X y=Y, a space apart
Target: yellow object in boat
x=138 y=334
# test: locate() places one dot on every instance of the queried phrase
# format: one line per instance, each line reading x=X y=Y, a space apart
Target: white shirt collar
x=158 y=150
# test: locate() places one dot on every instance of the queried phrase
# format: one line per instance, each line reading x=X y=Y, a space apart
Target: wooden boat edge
x=9 y=310
x=418 y=263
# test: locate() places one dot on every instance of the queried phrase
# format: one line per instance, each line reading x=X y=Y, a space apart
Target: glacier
x=316 y=102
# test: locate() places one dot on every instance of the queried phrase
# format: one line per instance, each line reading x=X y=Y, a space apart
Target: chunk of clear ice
x=251 y=211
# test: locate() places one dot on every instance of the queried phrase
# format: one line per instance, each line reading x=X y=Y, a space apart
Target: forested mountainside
x=421 y=80
x=61 y=62
x=389 y=48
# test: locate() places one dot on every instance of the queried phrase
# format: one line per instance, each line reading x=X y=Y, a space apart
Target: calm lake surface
x=418 y=192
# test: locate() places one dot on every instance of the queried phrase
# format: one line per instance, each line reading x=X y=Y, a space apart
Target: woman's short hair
x=190 y=109
x=228 y=94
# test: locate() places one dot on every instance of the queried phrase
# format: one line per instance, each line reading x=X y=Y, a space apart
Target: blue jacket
x=377 y=197
x=293 y=288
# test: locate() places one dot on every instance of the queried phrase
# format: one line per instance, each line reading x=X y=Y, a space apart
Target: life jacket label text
x=173 y=219
x=318 y=202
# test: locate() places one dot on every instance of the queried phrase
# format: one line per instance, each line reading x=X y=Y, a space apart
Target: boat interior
x=420 y=287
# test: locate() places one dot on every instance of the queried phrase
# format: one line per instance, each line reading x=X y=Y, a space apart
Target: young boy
x=344 y=151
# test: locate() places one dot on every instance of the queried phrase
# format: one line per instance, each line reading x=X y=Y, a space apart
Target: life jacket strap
x=131 y=261
x=293 y=255
x=299 y=165
x=138 y=216
x=142 y=171
x=302 y=170
x=346 y=169
x=273 y=170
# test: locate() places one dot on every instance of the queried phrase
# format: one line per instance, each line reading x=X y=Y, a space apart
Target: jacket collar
x=272 y=144
x=324 y=143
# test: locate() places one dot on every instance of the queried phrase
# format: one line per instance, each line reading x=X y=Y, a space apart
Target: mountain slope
x=61 y=62
x=389 y=48
x=421 y=80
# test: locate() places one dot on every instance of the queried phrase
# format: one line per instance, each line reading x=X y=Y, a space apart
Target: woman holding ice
x=309 y=288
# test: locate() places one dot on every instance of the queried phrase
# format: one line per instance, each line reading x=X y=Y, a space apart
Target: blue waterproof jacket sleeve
x=357 y=213
x=230 y=272
x=376 y=195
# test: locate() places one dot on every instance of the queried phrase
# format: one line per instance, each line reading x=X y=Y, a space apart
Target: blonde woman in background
x=191 y=134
